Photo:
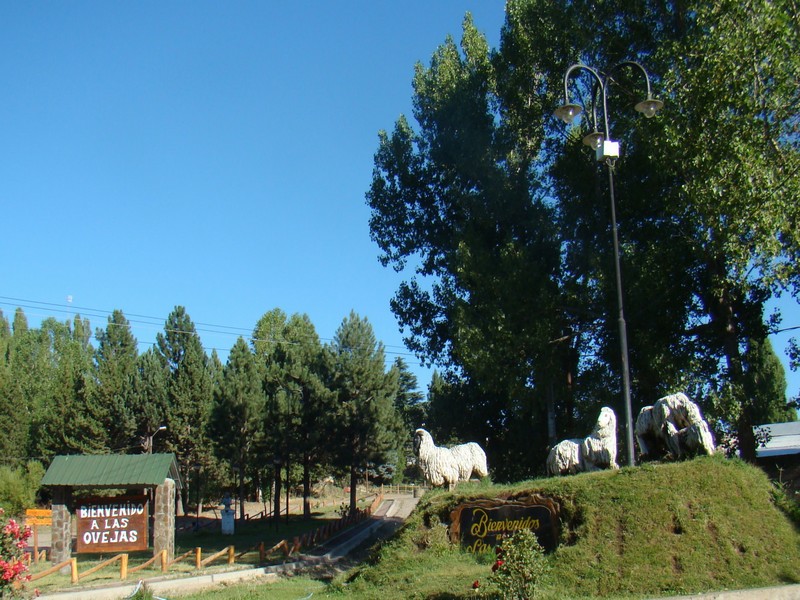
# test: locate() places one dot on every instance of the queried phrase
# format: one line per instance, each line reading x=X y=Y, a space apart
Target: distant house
x=779 y=440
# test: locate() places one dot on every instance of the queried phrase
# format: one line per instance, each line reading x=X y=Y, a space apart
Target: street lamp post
x=148 y=439
x=607 y=151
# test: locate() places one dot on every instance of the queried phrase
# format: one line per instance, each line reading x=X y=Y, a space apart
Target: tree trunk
x=353 y=483
x=551 y=414
x=306 y=487
x=724 y=314
x=276 y=513
x=241 y=493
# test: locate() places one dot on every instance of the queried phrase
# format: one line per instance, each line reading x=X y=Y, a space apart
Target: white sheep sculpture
x=597 y=451
x=674 y=425
x=447 y=466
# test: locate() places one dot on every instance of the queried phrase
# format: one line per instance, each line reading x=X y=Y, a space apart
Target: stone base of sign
x=61 y=527
x=483 y=524
x=164 y=519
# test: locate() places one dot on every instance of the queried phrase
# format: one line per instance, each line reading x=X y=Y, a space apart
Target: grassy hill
x=660 y=529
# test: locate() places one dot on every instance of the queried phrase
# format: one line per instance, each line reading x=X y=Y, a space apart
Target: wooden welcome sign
x=483 y=524
x=112 y=524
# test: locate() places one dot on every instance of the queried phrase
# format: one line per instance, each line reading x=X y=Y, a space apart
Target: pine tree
x=366 y=422
x=235 y=424
x=189 y=394
x=115 y=363
x=149 y=400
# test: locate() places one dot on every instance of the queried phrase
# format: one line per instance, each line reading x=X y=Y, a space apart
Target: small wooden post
x=164 y=563
x=73 y=570
x=198 y=558
x=262 y=555
x=35 y=542
x=123 y=567
x=231 y=555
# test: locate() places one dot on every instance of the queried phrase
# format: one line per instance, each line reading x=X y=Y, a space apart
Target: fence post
x=35 y=542
x=231 y=555
x=123 y=567
x=164 y=560
x=262 y=557
x=198 y=558
x=73 y=570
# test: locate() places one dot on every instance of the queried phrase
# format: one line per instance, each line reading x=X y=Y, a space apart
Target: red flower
x=476 y=584
x=497 y=565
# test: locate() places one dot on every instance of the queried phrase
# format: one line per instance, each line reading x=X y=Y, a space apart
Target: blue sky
x=213 y=155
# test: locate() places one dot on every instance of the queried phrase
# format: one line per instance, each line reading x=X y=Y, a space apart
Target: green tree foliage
x=189 y=393
x=115 y=363
x=68 y=420
x=30 y=379
x=409 y=403
x=278 y=418
x=14 y=436
x=18 y=486
x=235 y=425
x=298 y=399
x=365 y=420
x=765 y=385
x=503 y=214
x=149 y=398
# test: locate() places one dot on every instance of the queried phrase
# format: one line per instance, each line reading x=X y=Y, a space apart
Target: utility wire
x=157 y=324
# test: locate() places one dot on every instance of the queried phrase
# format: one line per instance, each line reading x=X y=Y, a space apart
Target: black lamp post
x=607 y=151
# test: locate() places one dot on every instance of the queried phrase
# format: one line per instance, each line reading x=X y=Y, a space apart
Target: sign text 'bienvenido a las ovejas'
x=484 y=524
x=112 y=524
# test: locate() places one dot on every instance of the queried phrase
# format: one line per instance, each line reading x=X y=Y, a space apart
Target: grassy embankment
x=660 y=529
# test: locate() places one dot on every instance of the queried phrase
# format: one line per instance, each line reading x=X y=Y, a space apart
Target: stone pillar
x=164 y=519
x=61 y=528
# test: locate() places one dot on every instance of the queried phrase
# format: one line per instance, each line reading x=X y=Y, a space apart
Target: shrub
x=520 y=566
x=12 y=552
x=18 y=486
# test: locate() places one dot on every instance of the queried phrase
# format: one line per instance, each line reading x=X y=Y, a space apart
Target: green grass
x=248 y=535
x=661 y=529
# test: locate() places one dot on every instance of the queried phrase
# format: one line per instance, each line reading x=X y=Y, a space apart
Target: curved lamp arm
x=649 y=106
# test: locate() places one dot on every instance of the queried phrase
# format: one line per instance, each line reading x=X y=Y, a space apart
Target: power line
x=158 y=324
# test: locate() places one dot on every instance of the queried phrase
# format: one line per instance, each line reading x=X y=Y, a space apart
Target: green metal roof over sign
x=112 y=470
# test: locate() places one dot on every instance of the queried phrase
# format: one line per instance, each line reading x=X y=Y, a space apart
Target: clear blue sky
x=213 y=155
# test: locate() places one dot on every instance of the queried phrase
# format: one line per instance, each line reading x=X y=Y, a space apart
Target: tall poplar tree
x=705 y=204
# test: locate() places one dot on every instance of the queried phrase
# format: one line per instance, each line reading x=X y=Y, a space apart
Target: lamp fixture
x=649 y=107
x=594 y=140
x=568 y=112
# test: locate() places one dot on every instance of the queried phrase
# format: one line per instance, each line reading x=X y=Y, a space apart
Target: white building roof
x=784 y=439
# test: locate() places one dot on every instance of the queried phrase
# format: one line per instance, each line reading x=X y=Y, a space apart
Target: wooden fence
x=287 y=547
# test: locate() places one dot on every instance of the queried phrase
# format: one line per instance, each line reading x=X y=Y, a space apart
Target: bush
x=520 y=566
x=18 y=486
x=12 y=552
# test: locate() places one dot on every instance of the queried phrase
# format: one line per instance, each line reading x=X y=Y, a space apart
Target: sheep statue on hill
x=447 y=466
x=597 y=451
x=673 y=426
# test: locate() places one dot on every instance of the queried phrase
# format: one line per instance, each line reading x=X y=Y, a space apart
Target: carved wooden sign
x=483 y=524
x=112 y=524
